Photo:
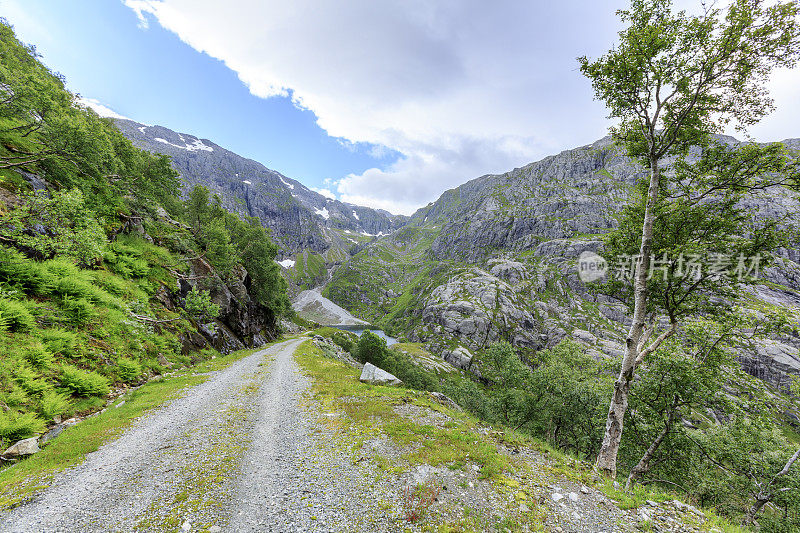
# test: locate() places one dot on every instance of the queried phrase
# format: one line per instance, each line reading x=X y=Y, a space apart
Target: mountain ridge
x=300 y=218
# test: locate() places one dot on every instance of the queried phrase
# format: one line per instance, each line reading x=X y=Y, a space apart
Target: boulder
x=372 y=375
x=458 y=357
x=23 y=447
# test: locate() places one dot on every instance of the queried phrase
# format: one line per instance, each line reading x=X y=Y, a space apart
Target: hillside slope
x=300 y=219
x=495 y=259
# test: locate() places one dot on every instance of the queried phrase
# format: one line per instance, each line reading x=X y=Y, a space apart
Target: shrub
x=15 y=426
x=38 y=356
x=30 y=381
x=78 y=311
x=128 y=369
x=71 y=228
x=83 y=383
x=73 y=286
x=14 y=396
x=17 y=316
x=199 y=305
x=110 y=283
x=54 y=403
x=59 y=341
x=62 y=268
x=27 y=274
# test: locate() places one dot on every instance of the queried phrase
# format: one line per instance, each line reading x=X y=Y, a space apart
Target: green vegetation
x=309 y=270
x=672 y=82
x=93 y=268
x=34 y=474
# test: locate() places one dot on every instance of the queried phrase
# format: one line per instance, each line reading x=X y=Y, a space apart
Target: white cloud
x=460 y=89
x=327 y=193
x=100 y=109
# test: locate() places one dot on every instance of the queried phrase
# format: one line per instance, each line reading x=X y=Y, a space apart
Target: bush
x=30 y=381
x=15 y=426
x=62 y=268
x=372 y=349
x=73 y=287
x=83 y=383
x=54 y=403
x=38 y=356
x=14 y=396
x=78 y=311
x=17 y=316
x=59 y=341
x=199 y=305
x=110 y=283
x=128 y=369
x=29 y=275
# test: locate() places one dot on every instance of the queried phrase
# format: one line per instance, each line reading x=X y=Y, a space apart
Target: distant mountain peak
x=297 y=215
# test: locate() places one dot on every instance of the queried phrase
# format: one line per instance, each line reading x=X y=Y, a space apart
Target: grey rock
x=23 y=447
x=459 y=357
x=446 y=401
x=373 y=375
x=54 y=432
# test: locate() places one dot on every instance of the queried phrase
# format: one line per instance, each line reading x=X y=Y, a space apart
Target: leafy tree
x=686 y=376
x=673 y=81
x=226 y=240
x=45 y=130
x=751 y=460
x=59 y=224
x=200 y=306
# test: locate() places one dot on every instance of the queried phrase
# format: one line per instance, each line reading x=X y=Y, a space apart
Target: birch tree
x=674 y=80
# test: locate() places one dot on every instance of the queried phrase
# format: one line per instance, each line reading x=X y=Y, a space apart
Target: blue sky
x=386 y=103
x=152 y=77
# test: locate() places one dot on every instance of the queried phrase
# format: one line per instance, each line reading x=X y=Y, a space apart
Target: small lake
x=358 y=330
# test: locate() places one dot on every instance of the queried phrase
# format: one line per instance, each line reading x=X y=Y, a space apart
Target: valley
x=605 y=339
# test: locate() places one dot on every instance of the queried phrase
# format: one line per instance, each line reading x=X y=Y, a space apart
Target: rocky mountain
x=495 y=259
x=300 y=219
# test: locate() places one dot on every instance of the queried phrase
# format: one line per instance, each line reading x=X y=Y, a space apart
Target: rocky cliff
x=495 y=259
x=300 y=219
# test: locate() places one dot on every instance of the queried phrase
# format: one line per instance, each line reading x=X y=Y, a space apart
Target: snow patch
x=141 y=129
x=197 y=144
x=290 y=185
x=355 y=215
x=247 y=181
x=322 y=212
x=286 y=263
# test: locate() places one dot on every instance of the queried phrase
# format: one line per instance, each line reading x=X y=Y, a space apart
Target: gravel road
x=240 y=452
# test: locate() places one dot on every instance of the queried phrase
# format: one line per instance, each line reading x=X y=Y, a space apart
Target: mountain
x=495 y=259
x=300 y=219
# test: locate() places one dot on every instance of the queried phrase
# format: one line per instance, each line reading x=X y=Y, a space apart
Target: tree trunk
x=766 y=495
x=607 y=458
x=643 y=466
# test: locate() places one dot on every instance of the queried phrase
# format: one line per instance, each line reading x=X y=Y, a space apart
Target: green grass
x=21 y=481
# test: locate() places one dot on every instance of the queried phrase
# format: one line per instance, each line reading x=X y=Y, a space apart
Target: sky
x=379 y=103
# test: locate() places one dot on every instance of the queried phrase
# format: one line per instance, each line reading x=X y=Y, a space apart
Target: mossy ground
x=514 y=468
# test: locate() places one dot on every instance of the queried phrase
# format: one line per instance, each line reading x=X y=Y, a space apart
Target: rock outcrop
x=297 y=216
x=22 y=448
x=372 y=375
x=496 y=259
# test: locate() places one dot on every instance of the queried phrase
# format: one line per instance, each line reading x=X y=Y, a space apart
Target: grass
x=21 y=481
x=371 y=411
